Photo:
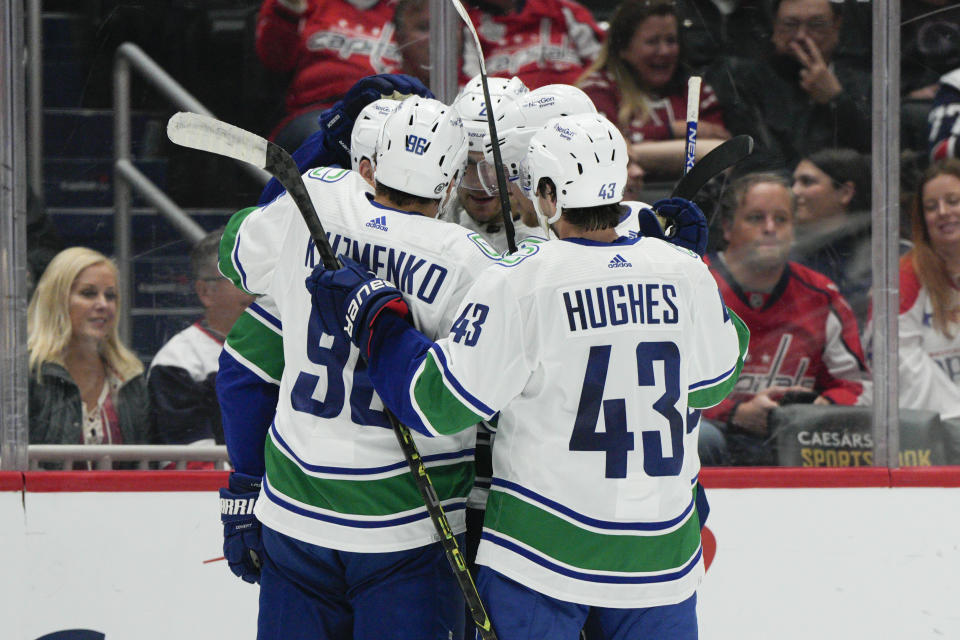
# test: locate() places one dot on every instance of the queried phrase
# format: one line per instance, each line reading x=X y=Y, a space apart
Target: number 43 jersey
x=335 y=474
x=596 y=355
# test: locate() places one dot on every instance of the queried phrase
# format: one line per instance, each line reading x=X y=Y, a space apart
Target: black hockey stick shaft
x=505 y=209
x=721 y=158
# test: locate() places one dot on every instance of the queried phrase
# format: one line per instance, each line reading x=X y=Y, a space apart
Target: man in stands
x=182 y=374
x=799 y=99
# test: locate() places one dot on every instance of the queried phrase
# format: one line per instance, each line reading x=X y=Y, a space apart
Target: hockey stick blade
x=204 y=133
x=721 y=158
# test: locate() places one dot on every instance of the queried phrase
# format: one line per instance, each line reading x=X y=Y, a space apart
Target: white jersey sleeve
x=924 y=381
x=719 y=343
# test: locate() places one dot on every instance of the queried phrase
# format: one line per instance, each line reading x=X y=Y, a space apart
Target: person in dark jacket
x=86 y=386
x=182 y=376
x=799 y=99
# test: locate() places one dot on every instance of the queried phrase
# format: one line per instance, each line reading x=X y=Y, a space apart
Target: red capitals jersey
x=803 y=333
x=605 y=93
x=543 y=42
x=331 y=46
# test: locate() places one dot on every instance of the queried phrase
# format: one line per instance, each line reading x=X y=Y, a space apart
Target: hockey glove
x=337 y=121
x=686 y=226
x=348 y=301
x=242 y=544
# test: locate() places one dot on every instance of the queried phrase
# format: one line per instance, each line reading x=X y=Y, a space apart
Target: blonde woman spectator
x=639 y=83
x=930 y=296
x=85 y=385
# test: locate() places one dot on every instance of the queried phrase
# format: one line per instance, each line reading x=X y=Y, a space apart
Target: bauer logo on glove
x=348 y=301
x=359 y=299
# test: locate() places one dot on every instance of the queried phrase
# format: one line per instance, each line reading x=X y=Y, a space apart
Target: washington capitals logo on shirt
x=378 y=223
x=618 y=262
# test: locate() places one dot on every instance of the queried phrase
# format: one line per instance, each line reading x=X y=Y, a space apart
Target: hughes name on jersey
x=335 y=476
x=594 y=354
x=803 y=333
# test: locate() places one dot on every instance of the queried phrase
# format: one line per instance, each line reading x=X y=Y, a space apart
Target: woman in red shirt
x=638 y=83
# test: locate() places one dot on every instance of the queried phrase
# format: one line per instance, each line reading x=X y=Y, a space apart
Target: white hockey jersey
x=929 y=360
x=593 y=353
x=335 y=474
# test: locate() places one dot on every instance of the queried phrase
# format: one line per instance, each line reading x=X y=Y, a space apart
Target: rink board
x=818 y=553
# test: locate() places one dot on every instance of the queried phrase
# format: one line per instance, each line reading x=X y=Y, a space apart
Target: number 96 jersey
x=597 y=356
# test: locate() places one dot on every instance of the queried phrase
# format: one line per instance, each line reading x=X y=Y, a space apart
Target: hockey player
x=591 y=350
x=478 y=208
x=251 y=362
x=347 y=548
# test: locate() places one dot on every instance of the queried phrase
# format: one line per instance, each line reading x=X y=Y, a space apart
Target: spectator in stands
x=639 y=83
x=832 y=188
x=43 y=241
x=539 y=41
x=799 y=99
x=327 y=45
x=930 y=46
x=804 y=344
x=85 y=386
x=929 y=323
x=411 y=20
x=712 y=29
x=183 y=374
x=943 y=119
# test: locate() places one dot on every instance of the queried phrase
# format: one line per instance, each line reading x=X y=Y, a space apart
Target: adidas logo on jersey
x=378 y=223
x=618 y=262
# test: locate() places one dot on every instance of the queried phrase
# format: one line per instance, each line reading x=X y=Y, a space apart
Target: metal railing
x=126 y=175
x=102 y=456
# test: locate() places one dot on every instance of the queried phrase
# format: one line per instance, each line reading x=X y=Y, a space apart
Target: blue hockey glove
x=337 y=121
x=686 y=226
x=348 y=301
x=242 y=544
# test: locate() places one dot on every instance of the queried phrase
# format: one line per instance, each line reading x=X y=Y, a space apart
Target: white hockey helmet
x=585 y=156
x=366 y=130
x=471 y=104
x=524 y=117
x=421 y=148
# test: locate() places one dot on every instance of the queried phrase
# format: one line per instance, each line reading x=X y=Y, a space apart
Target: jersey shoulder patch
x=328 y=174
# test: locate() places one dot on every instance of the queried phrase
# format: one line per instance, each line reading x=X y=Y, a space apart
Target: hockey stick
x=693 y=116
x=494 y=139
x=719 y=159
x=209 y=134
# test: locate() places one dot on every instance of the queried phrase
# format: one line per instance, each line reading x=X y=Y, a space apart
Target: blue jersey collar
x=620 y=241
x=383 y=206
